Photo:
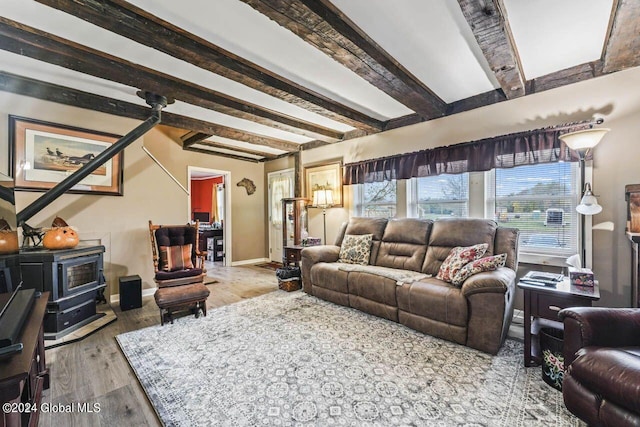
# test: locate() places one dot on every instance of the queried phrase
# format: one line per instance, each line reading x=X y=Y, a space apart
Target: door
x=280 y=187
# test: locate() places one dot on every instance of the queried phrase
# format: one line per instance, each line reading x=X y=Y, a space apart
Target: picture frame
x=44 y=154
x=322 y=175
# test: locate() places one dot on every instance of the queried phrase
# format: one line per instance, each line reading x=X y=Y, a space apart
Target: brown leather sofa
x=601 y=384
x=477 y=314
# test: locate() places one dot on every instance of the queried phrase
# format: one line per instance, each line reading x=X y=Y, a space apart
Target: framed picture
x=327 y=176
x=43 y=154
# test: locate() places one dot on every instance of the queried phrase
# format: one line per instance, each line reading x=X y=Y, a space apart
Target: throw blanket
x=400 y=276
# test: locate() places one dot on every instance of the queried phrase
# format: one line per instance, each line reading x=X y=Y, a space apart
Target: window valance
x=506 y=151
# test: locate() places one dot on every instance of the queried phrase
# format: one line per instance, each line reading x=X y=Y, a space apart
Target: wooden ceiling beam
x=217 y=153
x=76 y=98
x=216 y=144
x=136 y=24
x=623 y=44
x=24 y=40
x=491 y=29
x=321 y=24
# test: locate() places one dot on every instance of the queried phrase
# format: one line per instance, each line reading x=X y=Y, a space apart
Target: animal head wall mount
x=248 y=185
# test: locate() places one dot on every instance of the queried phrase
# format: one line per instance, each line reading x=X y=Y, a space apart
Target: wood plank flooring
x=94 y=370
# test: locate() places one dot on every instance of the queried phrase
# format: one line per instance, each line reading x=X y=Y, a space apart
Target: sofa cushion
x=328 y=275
x=434 y=299
x=374 y=226
x=451 y=232
x=489 y=263
x=373 y=287
x=404 y=243
x=459 y=257
x=356 y=249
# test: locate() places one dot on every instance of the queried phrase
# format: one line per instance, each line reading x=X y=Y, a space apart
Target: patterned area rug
x=291 y=359
x=271 y=265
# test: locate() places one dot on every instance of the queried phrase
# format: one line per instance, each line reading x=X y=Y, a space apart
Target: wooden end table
x=541 y=307
x=292 y=255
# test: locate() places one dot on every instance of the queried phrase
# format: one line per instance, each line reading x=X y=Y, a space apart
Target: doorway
x=210 y=202
x=280 y=186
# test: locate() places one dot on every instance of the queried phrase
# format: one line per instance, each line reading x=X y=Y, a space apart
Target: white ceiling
x=430 y=38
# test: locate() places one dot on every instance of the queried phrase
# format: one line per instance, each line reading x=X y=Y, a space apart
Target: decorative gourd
x=60 y=238
x=8 y=241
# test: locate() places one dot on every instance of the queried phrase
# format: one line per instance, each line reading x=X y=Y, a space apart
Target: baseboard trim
x=249 y=261
x=115 y=299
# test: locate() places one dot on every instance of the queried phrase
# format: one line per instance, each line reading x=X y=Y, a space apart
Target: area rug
x=291 y=359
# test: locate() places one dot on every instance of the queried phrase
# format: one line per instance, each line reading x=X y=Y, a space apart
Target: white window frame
x=358 y=201
x=412 y=197
x=526 y=254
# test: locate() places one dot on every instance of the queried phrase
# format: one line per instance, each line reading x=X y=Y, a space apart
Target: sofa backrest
x=404 y=243
x=451 y=232
x=375 y=226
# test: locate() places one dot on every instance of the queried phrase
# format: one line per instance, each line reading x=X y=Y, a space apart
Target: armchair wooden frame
x=199 y=259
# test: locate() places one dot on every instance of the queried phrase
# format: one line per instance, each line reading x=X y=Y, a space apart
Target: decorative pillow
x=489 y=263
x=458 y=258
x=174 y=258
x=355 y=249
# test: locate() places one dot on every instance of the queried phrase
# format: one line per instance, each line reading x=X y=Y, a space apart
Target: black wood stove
x=74 y=278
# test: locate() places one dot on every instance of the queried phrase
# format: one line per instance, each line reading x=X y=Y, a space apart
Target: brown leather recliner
x=602 y=359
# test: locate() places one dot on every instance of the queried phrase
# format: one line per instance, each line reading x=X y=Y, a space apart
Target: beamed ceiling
x=258 y=79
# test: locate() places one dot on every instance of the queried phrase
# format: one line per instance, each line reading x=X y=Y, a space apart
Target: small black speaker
x=130 y=292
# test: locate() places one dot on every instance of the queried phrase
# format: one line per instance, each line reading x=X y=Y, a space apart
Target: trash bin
x=551 y=343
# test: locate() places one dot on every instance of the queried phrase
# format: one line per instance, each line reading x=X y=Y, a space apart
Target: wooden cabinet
x=541 y=307
x=294 y=221
x=24 y=375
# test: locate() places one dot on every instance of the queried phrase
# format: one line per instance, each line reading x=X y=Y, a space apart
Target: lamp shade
x=589 y=204
x=322 y=198
x=583 y=139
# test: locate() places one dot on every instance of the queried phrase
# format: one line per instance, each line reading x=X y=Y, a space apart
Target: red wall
x=201 y=190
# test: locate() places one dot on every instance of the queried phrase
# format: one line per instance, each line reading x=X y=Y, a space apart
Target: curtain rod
x=566 y=126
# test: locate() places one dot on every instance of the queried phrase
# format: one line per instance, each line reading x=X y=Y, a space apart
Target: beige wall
x=616 y=159
x=121 y=223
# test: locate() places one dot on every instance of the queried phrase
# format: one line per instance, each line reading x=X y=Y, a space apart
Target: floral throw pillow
x=458 y=258
x=356 y=249
x=489 y=263
x=173 y=258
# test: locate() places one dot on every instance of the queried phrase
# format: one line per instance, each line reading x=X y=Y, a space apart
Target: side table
x=541 y=307
x=292 y=255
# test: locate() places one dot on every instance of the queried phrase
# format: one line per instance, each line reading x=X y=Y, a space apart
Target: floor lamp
x=582 y=142
x=323 y=198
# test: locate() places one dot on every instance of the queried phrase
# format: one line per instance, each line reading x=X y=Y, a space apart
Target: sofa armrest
x=312 y=255
x=497 y=281
x=599 y=326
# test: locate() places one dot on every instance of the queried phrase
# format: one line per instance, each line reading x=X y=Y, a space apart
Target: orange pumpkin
x=8 y=242
x=60 y=238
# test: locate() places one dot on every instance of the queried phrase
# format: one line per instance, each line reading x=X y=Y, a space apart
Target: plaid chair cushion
x=173 y=258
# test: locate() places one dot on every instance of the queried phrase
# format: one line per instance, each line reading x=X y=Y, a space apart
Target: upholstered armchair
x=602 y=359
x=176 y=257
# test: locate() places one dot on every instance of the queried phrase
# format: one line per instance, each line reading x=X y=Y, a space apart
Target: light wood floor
x=94 y=370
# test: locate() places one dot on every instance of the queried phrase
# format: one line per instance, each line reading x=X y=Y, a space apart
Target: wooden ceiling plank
x=127 y=20
x=238 y=149
x=321 y=24
x=623 y=43
x=24 y=40
x=217 y=153
x=76 y=98
x=193 y=138
x=493 y=34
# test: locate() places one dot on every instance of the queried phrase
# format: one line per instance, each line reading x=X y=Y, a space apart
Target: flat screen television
x=201 y=216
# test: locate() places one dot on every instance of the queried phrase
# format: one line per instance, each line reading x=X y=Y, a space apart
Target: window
x=439 y=196
x=376 y=199
x=540 y=200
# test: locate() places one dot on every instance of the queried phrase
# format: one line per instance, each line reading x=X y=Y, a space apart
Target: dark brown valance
x=506 y=151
